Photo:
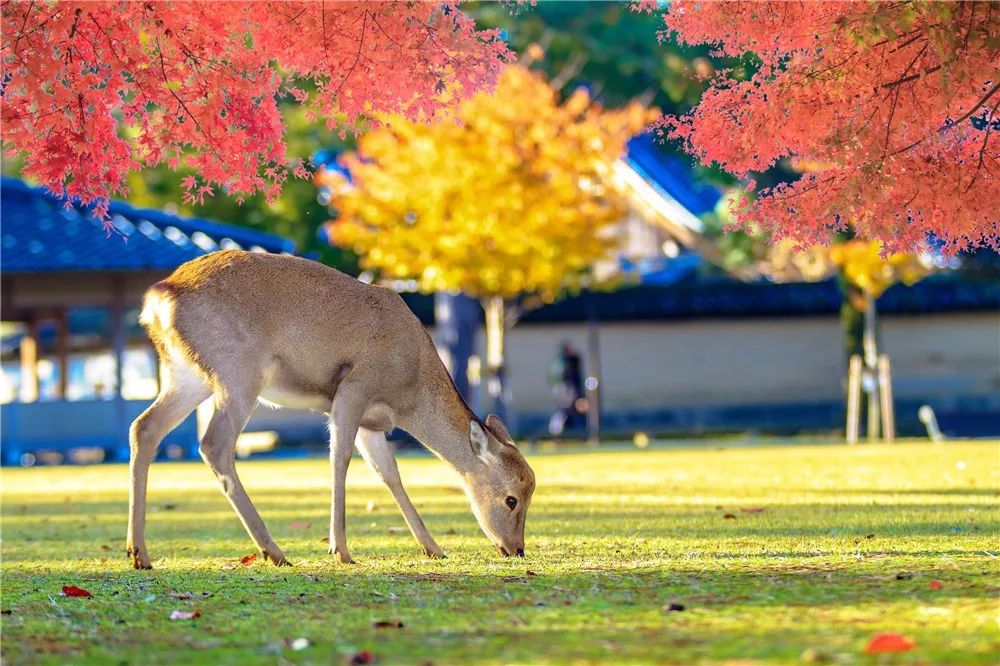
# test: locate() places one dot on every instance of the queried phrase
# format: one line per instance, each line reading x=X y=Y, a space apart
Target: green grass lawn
x=777 y=554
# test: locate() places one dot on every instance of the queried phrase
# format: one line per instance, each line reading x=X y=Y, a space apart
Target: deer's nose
x=520 y=552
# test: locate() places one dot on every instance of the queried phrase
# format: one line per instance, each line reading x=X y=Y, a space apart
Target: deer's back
x=303 y=320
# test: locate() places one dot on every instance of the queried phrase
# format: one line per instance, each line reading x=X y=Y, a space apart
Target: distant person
x=566 y=378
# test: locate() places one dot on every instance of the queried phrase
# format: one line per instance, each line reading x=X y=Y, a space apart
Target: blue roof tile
x=40 y=234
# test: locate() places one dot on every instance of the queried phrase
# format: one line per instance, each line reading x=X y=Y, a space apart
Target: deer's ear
x=494 y=423
x=480 y=443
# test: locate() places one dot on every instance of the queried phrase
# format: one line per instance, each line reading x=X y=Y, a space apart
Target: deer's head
x=500 y=488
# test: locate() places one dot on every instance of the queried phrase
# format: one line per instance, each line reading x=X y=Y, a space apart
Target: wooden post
x=885 y=394
x=495 y=329
x=871 y=368
x=853 y=398
x=29 y=362
x=119 y=338
x=62 y=352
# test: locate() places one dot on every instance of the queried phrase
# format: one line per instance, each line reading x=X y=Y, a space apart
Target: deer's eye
x=511 y=502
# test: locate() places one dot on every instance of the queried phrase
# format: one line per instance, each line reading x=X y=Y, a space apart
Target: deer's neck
x=440 y=420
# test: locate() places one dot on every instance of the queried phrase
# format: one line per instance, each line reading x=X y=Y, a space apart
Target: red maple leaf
x=248 y=560
x=889 y=642
x=890 y=118
x=935 y=585
x=74 y=591
x=198 y=83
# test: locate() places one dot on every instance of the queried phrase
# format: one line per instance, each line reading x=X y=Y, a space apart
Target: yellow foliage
x=507 y=200
x=865 y=267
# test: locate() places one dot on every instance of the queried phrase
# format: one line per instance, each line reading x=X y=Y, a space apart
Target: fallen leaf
x=105 y=546
x=935 y=585
x=299 y=525
x=752 y=509
x=169 y=507
x=248 y=560
x=190 y=595
x=674 y=608
x=811 y=656
x=363 y=657
x=74 y=591
x=185 y=615
x=298 y=644
x=387 y=624
x=729 y=516
x=325 y=539
x=869 y=536
x=397 y=529
x=530 y=572
x=889 y=642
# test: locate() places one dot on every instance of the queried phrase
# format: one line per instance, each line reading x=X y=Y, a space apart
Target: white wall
x=722 y=362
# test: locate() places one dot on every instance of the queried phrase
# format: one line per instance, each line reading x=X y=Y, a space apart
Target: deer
x=241 y=327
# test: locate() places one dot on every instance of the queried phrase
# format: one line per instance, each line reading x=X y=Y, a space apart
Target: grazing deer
x=242 y=326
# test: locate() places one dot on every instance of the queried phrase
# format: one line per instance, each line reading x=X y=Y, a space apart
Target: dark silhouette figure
x=566 y=378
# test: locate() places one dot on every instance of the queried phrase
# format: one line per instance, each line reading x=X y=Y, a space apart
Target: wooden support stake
x=853 y=398
x=62 y=353
x=29 y=362
x=885 y=394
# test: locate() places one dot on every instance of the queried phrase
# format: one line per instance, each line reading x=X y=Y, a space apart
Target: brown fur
x=238 y=325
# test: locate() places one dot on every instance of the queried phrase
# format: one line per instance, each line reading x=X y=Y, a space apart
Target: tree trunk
x=456 y=318
x=495 y=309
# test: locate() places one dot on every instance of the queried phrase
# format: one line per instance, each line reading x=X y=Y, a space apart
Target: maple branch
x=973 y=109
x=912 y=77
x=947 y=127
x=215 y=150
x=20 y=33
x=907 y=42
x=895 y=100
x=388 y=36
x=982 y=150
x=357 y=57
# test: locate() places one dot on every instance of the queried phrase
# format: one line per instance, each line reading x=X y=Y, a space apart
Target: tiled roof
x=671 y=175
x=38 y=233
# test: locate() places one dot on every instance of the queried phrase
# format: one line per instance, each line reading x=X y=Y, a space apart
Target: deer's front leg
x=344 y=419
x=377 y=453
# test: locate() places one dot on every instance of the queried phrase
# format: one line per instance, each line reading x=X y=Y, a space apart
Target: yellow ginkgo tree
x=510 y=200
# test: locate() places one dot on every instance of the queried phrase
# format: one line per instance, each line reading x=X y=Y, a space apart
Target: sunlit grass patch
x=774 y=553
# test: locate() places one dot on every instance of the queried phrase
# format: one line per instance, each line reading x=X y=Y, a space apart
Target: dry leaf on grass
x=889 y=642
x=185 y=615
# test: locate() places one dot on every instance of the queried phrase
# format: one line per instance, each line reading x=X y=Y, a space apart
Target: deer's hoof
x=140 y=560
x=277 y=558
x=435 y=553
x=343 y=558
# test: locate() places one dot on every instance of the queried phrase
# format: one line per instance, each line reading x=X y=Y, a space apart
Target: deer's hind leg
x=234 y=401
x=377 y=453
x=183 y=389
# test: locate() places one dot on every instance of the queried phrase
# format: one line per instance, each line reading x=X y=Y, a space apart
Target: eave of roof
x=39 y=233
